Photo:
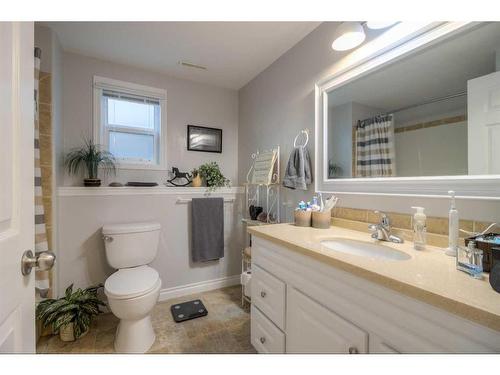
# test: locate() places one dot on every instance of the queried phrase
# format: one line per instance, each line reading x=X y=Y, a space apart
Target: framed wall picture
x=201 y=138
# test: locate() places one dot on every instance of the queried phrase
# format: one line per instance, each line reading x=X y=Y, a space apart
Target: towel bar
x=187 y=200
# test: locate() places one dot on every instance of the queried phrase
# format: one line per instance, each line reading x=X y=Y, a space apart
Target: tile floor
x=226 y=329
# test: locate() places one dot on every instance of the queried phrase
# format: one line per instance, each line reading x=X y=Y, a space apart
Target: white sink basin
x=364 y=249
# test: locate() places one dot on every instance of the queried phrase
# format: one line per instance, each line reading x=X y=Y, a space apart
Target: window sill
x=141 y=167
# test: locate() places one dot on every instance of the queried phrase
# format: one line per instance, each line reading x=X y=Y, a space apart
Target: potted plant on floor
x=213 y=176
x=72 y=314
x=90 y=157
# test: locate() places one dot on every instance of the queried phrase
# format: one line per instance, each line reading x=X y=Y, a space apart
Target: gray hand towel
x=298 y=173
x=207 y=229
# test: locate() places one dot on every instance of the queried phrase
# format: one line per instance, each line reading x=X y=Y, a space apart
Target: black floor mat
x=188 y=310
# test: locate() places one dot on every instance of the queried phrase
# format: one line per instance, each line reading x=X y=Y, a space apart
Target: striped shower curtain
x=375 y=149
x=42 y=277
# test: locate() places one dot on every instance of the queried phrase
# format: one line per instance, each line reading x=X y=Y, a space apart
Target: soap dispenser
x=452 y=227
x=419 y=229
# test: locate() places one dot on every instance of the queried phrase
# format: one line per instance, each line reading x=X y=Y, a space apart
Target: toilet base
x=134 y=336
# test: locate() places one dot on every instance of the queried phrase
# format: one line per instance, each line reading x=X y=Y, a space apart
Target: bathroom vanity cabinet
x=302 y=305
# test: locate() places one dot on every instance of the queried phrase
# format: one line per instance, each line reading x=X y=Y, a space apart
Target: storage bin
x=321 y=220
x=302 y=218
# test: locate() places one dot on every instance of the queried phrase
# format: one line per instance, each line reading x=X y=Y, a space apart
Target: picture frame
x=204 y=139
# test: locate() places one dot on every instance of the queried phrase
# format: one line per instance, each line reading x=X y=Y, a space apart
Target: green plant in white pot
x=72 y=314
x=90 y=158
x=213 y=176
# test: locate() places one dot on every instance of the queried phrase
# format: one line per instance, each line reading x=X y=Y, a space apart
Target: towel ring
x=304 y=131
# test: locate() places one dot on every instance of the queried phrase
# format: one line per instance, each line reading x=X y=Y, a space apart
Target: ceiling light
x=348 y=36
x=376 y=25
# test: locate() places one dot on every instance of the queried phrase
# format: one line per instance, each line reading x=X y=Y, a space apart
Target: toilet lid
x=131 y=282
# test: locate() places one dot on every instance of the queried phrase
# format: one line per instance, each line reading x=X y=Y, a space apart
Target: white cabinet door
x=312 y=328
x=265 y=336
x=483 y=111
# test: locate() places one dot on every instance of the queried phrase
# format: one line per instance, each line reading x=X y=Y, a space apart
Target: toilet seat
x=133 y=282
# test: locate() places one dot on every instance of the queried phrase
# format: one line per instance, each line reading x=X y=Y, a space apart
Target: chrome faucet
x=382 y=230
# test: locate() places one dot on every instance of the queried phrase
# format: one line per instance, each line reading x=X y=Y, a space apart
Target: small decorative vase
x=197 y=181
x=254 y=211
x=92 y=182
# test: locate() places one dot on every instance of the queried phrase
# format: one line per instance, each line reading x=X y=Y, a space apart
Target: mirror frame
x=367 y=61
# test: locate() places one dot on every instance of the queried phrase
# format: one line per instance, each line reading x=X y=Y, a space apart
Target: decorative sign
x=264 y=167
x=201 y=138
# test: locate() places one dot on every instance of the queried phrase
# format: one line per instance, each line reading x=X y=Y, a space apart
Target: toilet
x=134 y=288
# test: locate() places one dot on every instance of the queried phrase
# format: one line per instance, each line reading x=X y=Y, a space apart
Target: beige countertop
x=429 y=275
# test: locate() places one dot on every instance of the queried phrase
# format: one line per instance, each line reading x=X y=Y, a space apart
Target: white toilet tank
x=132 y=244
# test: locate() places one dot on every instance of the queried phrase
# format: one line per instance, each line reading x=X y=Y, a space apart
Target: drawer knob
x=262 y=340
x=262 y=294
x=353 y=350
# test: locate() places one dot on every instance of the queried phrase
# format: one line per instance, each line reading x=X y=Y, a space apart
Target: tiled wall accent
x=436 y=225
x=46 y=162
x=430 y=124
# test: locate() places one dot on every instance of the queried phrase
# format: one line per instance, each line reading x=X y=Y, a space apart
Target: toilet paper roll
x=246 y=281
x=245 y=277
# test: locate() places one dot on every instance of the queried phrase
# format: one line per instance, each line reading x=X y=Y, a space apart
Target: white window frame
x=100 y=131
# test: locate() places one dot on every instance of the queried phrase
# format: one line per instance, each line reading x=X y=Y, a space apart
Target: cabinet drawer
x=268 y=294
x=265 y=336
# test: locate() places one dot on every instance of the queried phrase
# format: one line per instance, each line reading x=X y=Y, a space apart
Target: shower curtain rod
x=430 y=101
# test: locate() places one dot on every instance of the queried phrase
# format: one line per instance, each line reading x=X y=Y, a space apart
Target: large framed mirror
x=420 y=118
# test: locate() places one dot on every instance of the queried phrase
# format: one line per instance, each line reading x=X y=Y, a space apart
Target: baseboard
x=202 y=286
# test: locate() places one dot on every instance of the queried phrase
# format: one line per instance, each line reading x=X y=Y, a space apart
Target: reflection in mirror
x=433 y=113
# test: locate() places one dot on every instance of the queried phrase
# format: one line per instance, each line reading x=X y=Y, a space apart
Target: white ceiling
x=233 y=52
x=438 y=71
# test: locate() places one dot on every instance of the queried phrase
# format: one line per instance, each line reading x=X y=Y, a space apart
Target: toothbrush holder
x=321 y=219
x=302 y=218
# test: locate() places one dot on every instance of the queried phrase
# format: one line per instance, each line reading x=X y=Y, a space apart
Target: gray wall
x=279 y=102
x=340 y=137
x=187 y=103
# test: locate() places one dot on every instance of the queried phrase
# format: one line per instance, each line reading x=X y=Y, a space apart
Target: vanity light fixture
x=348 y=36
x=377 y=25
x=351 y=34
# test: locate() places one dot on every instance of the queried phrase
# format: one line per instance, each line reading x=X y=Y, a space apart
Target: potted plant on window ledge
x=90 y=157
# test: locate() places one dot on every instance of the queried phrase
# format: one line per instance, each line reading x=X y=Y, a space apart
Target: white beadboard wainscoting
x=83 y=211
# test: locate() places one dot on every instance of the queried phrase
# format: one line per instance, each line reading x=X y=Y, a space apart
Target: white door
x=17 y=292
x=312 y=328
x=483 y=107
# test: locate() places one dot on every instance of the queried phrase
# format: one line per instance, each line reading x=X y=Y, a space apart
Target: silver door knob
x=44 y=261
x=262 y=294
x=262 y=340
x=353 y=350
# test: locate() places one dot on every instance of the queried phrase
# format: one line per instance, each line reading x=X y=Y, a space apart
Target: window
x=129 y=123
